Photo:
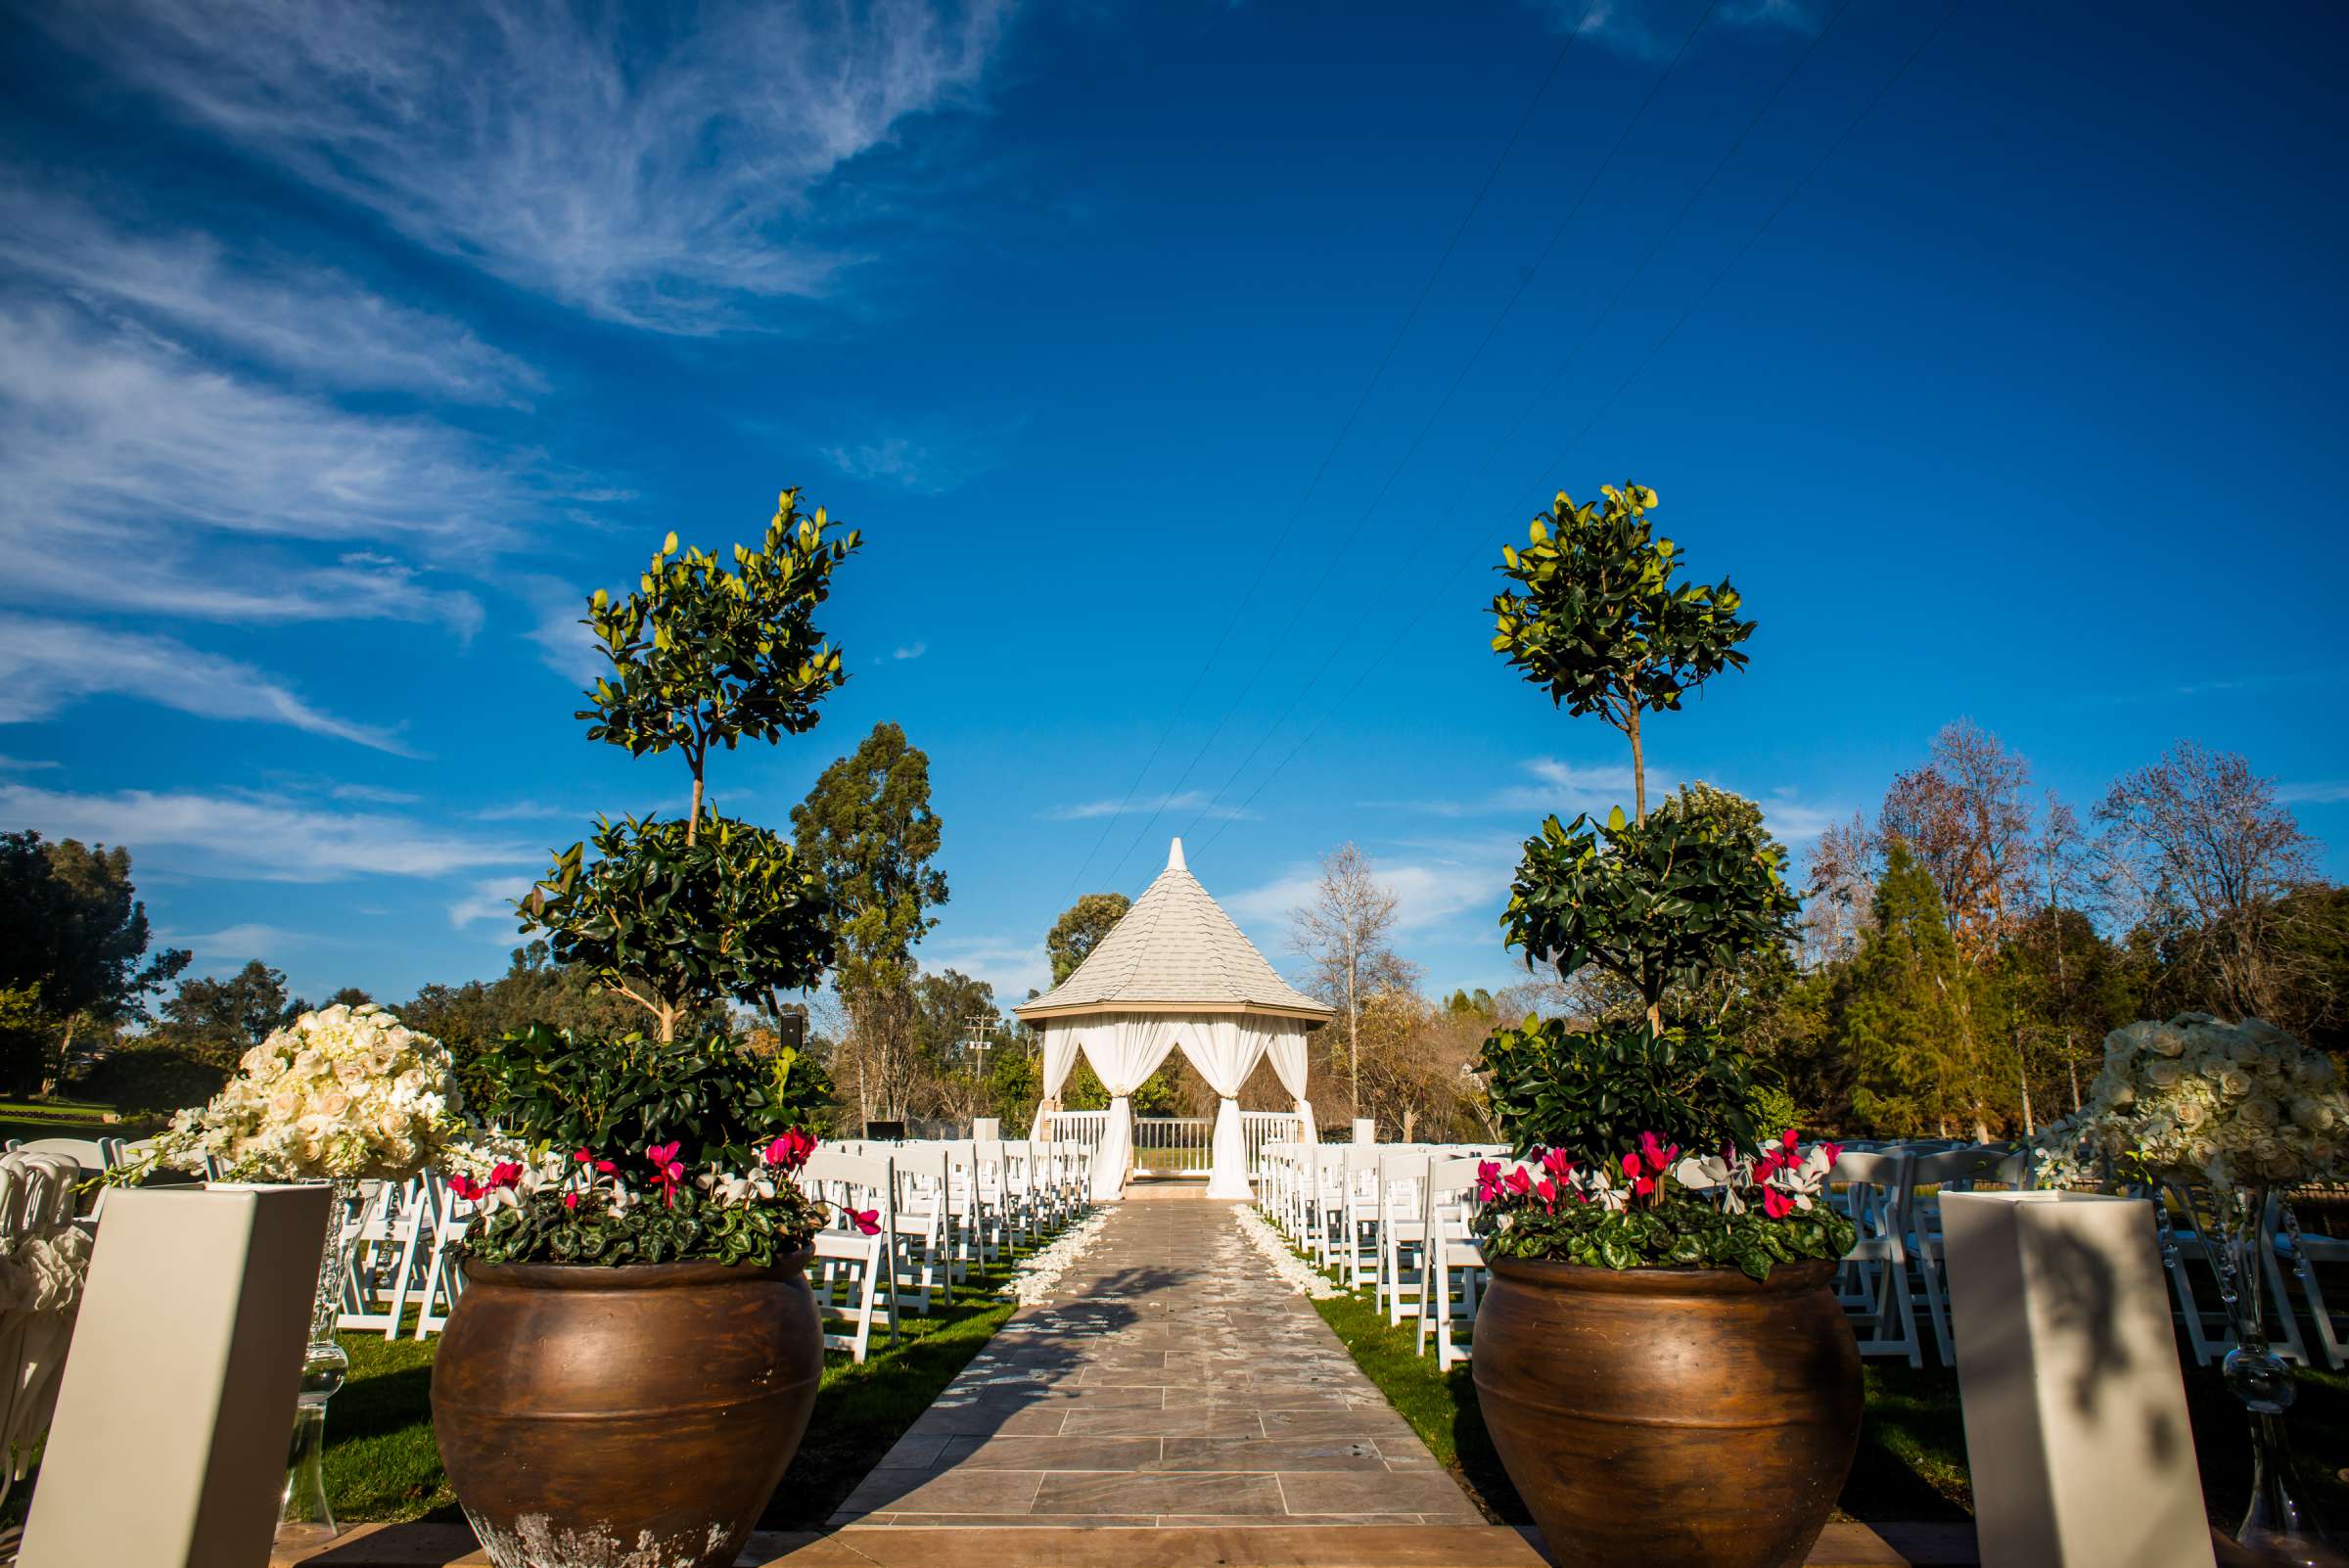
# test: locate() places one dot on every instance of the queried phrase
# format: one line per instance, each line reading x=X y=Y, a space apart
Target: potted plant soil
x=632 y=1363
x=1661 y=1360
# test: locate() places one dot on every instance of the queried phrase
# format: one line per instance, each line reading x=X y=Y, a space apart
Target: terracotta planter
x=1691 y=1416
x=592 y=1417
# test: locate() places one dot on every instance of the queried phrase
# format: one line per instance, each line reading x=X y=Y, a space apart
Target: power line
x=1345 y=430
x=1329 y=564
x=1751 y=239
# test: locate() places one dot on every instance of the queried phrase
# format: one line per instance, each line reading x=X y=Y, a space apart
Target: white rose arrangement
x=341 y=1095
x=2195 y=1100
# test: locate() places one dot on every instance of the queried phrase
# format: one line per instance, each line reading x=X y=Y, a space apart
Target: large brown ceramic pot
x=1691 y=1416
x=590 y=1416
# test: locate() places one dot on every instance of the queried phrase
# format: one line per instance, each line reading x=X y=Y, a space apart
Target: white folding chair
x=1873 y=1282
x=924 y=1226
x=443 y=1277
x=1454 y=1270
x=1949 y=1170
x=854 y=1275
x=2306 y=1252
x=1402 y=1235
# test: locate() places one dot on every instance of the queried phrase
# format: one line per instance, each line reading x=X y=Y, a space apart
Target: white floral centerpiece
x=340 y=1094
x=2197 y=1102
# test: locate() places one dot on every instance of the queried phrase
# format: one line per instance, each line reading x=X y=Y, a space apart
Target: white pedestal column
x=1366 y=1129
x=2076 y=1431
x=168 y=1450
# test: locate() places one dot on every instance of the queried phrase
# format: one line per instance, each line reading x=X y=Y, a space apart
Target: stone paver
x=1172 y=1382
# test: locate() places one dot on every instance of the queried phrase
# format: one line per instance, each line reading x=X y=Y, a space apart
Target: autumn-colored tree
x=1967 y=818
x=1842 y=882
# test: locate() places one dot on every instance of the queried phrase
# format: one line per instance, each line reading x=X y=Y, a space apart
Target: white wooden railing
x=1172 y=1145
x=1088 y=1128
x=1259 y=1127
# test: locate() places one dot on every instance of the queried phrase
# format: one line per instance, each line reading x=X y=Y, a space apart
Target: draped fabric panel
x=1225 y=1050
x=1124 y=1049
x=1284 y=1047
x=1060 y=1059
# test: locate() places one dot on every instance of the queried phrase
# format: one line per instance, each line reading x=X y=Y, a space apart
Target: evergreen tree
x=1925 y=1029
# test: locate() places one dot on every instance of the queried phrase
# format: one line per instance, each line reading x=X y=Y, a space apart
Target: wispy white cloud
x=250 y=939
x=1011 y=967
x=1434 y=886
x=649 y=173
x=1145 y=806
x=492 y=899
x=47 y=664
x=254 y=837
x=557 y=628
x=526 y=812
x=912 y=650
x=312 y=321
x=373 y=795
x=2313 y=792
x=128 y=461
x=1563 y=787
x=26 y=764
x=1653 y=30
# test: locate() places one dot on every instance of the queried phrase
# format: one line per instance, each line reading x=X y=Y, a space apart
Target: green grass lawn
x=1911 y=1460
x=26 y=1119
x=382 y=1463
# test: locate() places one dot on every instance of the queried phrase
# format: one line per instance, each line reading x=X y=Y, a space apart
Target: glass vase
x=2282 y=1525
x=304 y=1513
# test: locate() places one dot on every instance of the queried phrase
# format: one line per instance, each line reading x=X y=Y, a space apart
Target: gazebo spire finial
x=1175 y=857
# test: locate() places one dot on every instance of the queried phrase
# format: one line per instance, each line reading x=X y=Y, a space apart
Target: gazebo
x=1175 y=971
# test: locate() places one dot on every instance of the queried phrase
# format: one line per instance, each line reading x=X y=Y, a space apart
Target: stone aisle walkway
x=1169 y=1383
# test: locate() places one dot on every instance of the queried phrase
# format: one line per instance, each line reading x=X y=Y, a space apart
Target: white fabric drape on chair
x=1060 y=1059
x=1225 y=1050
x=1124 y=1049
x=1286 y=1052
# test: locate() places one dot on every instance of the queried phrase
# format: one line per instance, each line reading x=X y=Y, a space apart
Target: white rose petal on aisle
x=1033 y=1284
x=1291 y=1271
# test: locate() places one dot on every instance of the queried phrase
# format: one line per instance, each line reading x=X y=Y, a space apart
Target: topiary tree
x=1594 y=616
x=1664 y=904
x=680 y=915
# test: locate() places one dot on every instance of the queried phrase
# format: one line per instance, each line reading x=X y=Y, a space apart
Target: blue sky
x=1997 y=361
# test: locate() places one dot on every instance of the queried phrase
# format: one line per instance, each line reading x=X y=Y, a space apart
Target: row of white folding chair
x=37 y=1199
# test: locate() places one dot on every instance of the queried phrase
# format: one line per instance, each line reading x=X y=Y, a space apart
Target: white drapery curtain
x=1124 y=1049
x=1060 y=1059
x=1285 y=1049
x=1225 y=1050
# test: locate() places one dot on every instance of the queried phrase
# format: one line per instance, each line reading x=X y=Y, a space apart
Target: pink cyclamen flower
x=464 y=1186
x=1518 y=1182
x=789 y=1151
x=1488 y=1181
x=584 y=1156
x=570 y=1202
x=1548 y=1191
x=1558 y=1162
x=1630 y=1166
x=1833 y=1152
x=1786 y=1141
x=1776 y=1204
x=667 y=1169
x=867 y=1220
x=504 y=1173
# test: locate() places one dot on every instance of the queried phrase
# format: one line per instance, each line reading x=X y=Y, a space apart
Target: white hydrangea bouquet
x=341 y=1095
x=2199 y=1102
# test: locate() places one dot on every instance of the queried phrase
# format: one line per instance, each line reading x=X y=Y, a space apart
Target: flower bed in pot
x=1685 y=1410
x=639 y=1399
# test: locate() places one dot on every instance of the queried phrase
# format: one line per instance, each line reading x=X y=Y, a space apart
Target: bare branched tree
x=1343 y=936
x=2201 y=844
x=1837 y=894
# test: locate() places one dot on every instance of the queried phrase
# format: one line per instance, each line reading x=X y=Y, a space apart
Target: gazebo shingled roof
x=1175 y=951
